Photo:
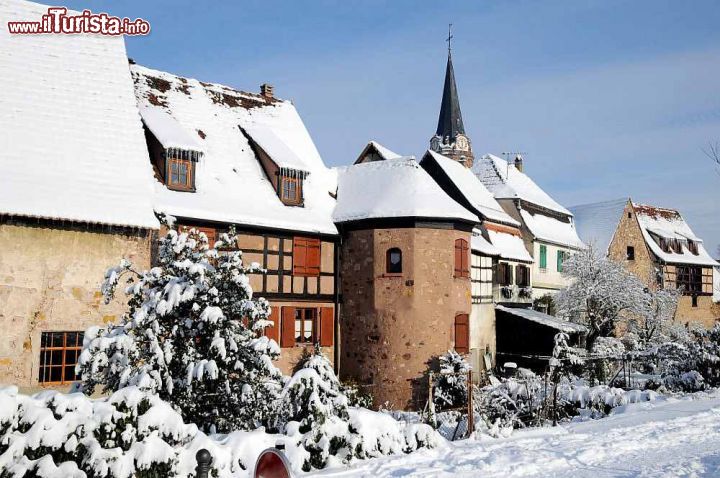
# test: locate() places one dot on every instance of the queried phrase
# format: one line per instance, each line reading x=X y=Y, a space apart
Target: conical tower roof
x=450 y=122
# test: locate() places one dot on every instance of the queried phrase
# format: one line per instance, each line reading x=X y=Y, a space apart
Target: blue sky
x=607 y=98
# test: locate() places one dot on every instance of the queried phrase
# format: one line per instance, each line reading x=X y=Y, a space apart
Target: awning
x=543 y=319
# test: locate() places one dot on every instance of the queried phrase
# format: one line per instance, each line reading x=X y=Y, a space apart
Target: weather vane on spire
x=450 y=37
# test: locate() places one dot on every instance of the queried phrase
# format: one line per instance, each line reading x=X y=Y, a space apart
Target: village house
x=658 y=246
x=223 y=157
x=547 y=227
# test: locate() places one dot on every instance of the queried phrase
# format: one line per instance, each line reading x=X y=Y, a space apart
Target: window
x=180 y=174
x=543 y=257
x=522 y=275
x=305 y=326
x=630 y=253
x=393 y=261
x=693 y=247
x=59 y=352
x=505 y=273
x=306 y=257
x=290 y=190
x=560 y=260
x=690 y=278
x=694 y=300
x=462 y=334
x=462 y=258
x=629 y=215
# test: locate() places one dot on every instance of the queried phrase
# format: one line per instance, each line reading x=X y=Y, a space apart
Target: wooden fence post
x=471 y=410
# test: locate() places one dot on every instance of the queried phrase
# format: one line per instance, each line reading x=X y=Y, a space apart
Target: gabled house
x=76 y=193
x=227 y=158
x=548 y=228
x=658 y=246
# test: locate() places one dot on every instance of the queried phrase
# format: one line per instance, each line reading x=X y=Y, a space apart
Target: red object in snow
x=272 y=463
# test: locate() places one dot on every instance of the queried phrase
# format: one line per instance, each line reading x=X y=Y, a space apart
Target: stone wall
x=628 y=233
x=392 y=325
x=50 y=280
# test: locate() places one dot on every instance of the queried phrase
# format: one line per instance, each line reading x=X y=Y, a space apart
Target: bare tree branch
x=713 y=152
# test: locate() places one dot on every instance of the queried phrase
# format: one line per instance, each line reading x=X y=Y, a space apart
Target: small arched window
x=393 y=261
x=462 y=258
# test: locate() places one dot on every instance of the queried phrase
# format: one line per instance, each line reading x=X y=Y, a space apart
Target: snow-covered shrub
x=134 y=434
x=507 y=404
x=576 y=398
x=691 y=362
x=451 y=388
x=191 y=334
x=356 y=395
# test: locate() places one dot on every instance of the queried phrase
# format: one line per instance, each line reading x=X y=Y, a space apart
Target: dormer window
x=180 y=169
x=290 y=190
x=693 y=247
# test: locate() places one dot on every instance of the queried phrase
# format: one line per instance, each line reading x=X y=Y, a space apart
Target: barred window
x=59 y=353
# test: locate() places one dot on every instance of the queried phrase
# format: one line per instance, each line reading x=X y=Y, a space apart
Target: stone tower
x=449 y=139
x=402 y=285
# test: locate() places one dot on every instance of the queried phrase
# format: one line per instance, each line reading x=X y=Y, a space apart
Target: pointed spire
x=450 y=139
x=450 y=122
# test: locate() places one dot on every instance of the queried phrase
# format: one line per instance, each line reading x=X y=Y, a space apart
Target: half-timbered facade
x=252 y=168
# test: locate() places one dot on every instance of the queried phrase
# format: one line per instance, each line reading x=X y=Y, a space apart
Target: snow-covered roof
x=73 y=147
x=275 y=147
x=505 y=181
x=596 y=223
x=168 y=131
x=381 y=151
x=393 y=189
x=471 y=188
x=479 y=244
x=510 y=246
x=669 y=224
x=543 y=319
x=551 y=229
x=231 y=185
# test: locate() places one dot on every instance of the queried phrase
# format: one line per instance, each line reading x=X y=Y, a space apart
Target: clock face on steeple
x=461 y=142
x=435 y=143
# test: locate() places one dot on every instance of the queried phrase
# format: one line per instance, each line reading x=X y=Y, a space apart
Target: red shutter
x=299 y=256
x=312 y=264
x=274 y=331
x=462 y=268
x=327 y=327
x=287 y=335
x=306 y=256
x=465 y=258
x=462 y=334
x=458 y=259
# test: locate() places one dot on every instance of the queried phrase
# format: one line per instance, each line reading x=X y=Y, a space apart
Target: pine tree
x=192 y=334
x=451 y=387
x=314 y=405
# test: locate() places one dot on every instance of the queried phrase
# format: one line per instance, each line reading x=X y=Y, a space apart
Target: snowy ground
x=668 y=438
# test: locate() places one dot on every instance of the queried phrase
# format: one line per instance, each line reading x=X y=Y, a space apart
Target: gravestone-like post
x=204 y=458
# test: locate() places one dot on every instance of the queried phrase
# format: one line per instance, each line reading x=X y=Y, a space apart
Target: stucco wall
x=548 y=280
x=393 y=325
x=50 y=281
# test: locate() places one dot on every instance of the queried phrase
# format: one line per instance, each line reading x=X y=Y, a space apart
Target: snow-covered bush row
x=135 y=434
x=530 y=401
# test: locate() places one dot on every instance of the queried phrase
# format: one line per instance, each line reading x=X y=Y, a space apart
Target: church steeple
x=450 y=139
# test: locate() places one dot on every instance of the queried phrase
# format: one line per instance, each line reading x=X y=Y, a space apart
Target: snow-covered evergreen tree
x=192 y=334
x=600 y=294
x=451 y=388
x=314 y=408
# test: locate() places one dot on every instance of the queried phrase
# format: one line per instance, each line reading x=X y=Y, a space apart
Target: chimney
x=519 y=163
x=266 y=90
